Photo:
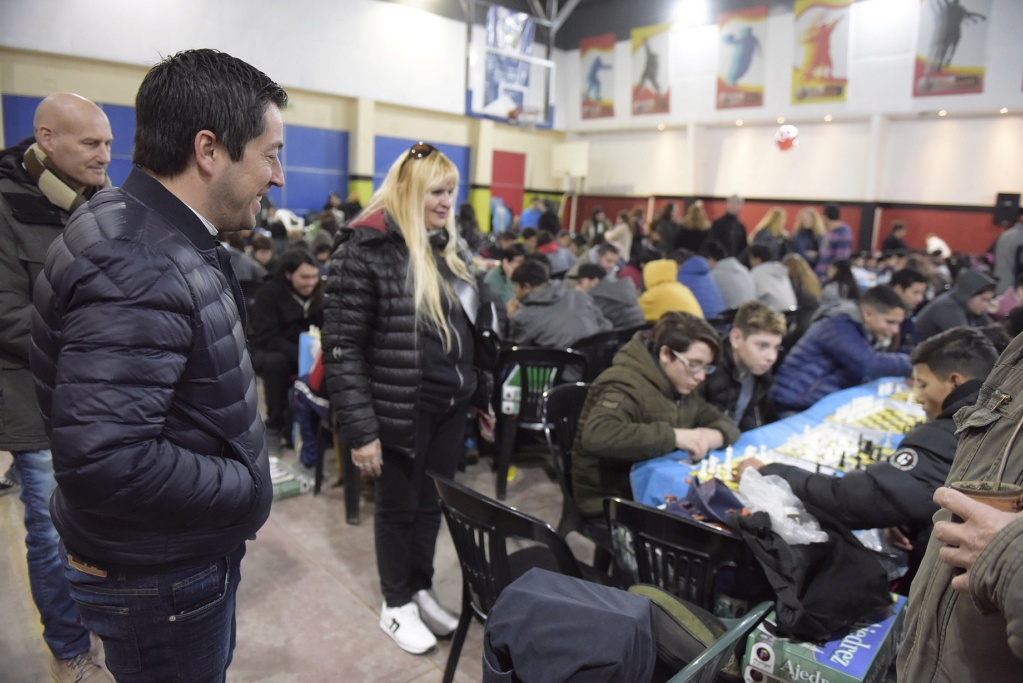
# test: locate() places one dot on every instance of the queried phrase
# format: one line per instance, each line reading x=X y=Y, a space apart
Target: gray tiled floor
x=309 y=597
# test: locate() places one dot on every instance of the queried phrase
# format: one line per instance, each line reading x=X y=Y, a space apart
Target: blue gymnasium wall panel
x=19 y=110
x=386 y=150
x=315 y=162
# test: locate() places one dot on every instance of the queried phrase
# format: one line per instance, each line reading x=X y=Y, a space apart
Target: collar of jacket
x=153 y=194
x=957 y=398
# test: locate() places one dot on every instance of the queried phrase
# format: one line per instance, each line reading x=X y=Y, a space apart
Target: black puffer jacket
x=145 y=384
x=372 y=354
x=280 y=316
x=896 y=491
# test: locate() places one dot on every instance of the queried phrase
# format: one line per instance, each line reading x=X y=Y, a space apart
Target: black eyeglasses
x=420 y=150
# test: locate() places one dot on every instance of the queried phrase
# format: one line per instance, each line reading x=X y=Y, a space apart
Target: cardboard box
x=862 y=655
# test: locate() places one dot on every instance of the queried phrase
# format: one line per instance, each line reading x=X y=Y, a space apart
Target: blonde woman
x=771 y=233
x=398 y=351
x=695 y=225
x=807 y=233
x=808 y=293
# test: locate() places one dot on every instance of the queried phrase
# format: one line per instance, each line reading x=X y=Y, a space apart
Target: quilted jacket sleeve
x=847 y=346
x=350 y=311
x=124 y=315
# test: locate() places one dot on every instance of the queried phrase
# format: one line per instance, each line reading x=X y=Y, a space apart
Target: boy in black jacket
x=949 y=370
x=740 y=387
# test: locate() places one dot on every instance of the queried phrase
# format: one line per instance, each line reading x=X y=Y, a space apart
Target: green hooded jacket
x=629 y=416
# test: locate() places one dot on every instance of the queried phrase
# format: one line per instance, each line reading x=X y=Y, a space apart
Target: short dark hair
x=712 y=249
x=906 y=278
x=607 y=248
x=761 y=252
x=678 y=331
x=961 y=349
x=539 y=258
x=680 y=256
x=199 y=90
x=831 y=211
x=292 y=259
x=260 y=242
x=882 y=299
x=507 y=235
x=513 y=252
x=544 y=237
x=593 y=271
x=529 y=233
x=532 y=273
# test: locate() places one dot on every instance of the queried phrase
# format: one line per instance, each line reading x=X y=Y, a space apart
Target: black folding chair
x=539 y=369
x=681 y=556
x=480 y=528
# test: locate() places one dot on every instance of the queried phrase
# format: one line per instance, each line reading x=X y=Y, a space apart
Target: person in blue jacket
x=694 y=273
x=837 y=352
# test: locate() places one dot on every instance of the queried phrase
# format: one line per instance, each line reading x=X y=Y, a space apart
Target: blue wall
x=315 y=160
x=386 y=150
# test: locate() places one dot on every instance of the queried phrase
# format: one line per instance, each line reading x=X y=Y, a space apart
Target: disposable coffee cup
x=1004 y=497
x=1007 y=498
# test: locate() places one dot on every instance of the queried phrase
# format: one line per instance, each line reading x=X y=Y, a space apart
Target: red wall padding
x=970 y=231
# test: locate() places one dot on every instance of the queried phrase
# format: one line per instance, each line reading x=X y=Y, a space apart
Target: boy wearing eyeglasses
x=645 y=405
x=741 y=384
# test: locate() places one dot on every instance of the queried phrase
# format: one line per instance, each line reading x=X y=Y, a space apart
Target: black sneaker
x=8 y=486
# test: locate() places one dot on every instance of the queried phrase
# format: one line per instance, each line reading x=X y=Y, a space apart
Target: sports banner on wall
x=651 y=93
x=597 y=57
x=741 y=58
x=950 y=47
x=820 y=70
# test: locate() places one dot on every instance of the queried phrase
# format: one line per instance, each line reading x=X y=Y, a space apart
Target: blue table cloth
x=668 y=474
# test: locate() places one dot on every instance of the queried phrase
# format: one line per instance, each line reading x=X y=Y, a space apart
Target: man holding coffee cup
x=967 y=626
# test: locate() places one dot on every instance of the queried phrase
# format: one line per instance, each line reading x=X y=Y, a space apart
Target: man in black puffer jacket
x=949 y=369
x=144 y=380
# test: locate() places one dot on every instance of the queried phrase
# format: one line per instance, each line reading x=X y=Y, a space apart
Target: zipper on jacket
x=458 y=371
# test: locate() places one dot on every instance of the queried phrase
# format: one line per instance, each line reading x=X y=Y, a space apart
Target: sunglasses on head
x=420 y=150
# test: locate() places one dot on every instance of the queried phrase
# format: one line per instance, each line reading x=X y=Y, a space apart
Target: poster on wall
x=741 y=58
x=597 y=55
x=820 y=70
x=651 y=93
x=950 y=47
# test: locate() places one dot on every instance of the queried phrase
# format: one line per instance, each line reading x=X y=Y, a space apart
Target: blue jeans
x=178 y=625
x=62 y=625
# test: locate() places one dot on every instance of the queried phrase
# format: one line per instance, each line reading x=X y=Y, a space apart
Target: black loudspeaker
x=1006 y=209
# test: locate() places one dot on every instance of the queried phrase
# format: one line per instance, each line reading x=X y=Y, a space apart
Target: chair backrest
x=561 y=408
x=722 y=322
x=540 y=369
x=706 y=667
x=481 y=527
x=600 y=350
x=680 y=556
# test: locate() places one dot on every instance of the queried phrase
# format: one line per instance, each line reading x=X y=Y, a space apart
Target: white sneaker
x=406 y=628
x=434 y=615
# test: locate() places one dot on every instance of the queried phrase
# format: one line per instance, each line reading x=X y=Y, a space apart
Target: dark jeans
x=177 y=626
x=407 y=516
x=62 y=624
x=276 y=369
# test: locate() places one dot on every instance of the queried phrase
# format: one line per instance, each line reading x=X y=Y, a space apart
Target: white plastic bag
x=773 y=495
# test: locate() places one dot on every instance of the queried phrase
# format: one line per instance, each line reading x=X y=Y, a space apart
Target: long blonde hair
x=802 y=275
x=816 y=221
x=402 y=196
x=773 y=222
x=696 y=217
